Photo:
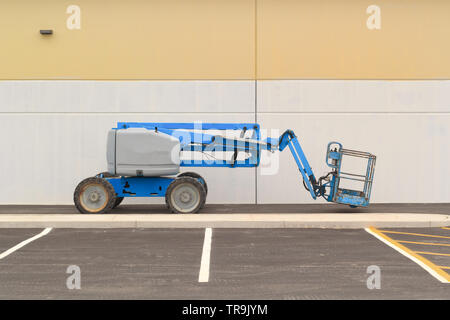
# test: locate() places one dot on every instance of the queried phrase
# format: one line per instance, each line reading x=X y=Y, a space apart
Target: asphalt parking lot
x=243 y=264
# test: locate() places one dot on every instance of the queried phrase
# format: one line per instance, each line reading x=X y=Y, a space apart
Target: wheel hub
x=185 y=197
x=94 y=196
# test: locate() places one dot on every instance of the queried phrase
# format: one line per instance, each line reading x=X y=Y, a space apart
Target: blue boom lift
x=144 y=161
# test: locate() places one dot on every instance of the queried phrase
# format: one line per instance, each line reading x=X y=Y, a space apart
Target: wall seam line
x=256 y=89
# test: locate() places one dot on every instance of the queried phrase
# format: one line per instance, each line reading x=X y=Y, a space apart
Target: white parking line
x=24 y=243
x=203 y=275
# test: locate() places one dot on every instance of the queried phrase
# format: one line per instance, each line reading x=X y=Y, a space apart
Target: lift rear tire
x=117 y=202
x=94 y=195
x=185 y=195
x=106 y=174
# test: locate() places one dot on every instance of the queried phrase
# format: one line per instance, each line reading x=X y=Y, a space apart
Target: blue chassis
x=201 y=142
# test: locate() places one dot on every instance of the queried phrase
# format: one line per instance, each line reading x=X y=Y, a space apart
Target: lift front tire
x=94 y=195
x=196 y=176
x=185 y=195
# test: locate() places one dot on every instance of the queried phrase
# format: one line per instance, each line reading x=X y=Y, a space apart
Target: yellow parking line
x=444 y=267
x=425 y=243
x=429 y=266
x=433 y=253
x=445 y=228
x=415 y=234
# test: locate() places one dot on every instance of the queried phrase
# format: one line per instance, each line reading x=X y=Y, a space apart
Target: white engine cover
x=142 y=152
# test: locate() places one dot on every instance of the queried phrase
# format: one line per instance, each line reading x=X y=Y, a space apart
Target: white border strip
x=406 y=254
x=24 y=243
x=203 y=275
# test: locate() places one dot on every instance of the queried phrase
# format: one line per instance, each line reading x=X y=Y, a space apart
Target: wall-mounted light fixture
x=46 y=32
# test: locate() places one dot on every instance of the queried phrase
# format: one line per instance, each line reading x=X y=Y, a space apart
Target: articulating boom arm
x=288 y=138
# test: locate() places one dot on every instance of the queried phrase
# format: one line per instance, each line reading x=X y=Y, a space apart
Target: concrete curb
x=270 y=220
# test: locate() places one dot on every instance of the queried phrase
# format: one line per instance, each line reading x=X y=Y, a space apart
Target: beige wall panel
x=135 y=39
x=319 y=39
x=412 y=155
x=45 y=156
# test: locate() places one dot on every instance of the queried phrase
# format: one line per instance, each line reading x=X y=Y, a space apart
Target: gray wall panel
x=127 y=96
x=353 y=96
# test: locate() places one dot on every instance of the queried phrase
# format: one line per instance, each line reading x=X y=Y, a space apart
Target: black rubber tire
x=106 y=174
x=196 y=176
x=117 y=202
x=102 y=183
x=186 y=180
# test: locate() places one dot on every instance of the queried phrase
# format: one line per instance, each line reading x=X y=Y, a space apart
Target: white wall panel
x=413 y=154
x=127 y=96
x=45 y=156
x=353 y=96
